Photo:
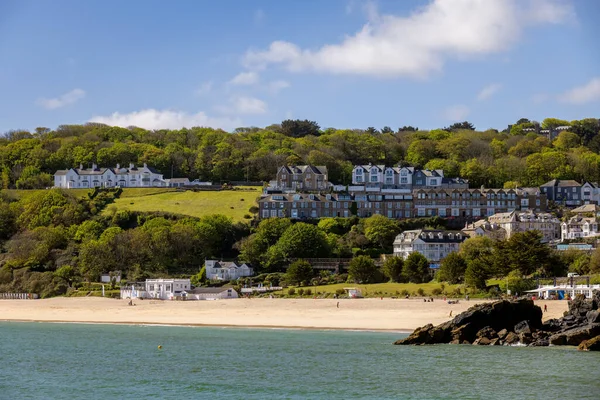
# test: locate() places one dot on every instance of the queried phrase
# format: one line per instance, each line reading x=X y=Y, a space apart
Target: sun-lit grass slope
x=19 y=194
x=233 y=203
x=385 y=289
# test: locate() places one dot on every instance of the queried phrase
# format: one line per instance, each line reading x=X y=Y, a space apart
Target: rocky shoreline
x=512 y=322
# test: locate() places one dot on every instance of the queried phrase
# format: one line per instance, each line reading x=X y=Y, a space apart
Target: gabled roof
x=433 y=236
x=586 y=208
x=561 y=183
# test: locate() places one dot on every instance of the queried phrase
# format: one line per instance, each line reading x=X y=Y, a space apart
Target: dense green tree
x=460 y=126
x=297 y=128
x=392 y=268
x=526 y=253
x=452 y=268
x=299 y=271
x=303 y=240
x=362 y=269
x=381 y=230
x=416 y=268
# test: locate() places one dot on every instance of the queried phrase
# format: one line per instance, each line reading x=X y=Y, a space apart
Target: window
x=433 y=182
x=373 y=170
x=373 y=178
x=403 y=172
x=403 y=180
x=359 y=179
x=359 y=171
x=419 y=181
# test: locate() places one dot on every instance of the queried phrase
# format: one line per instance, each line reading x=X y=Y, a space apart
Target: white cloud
x=204 y=89
x=488 y=91
x=419 y=44
x=243 y=105
x=68 y=98
x=244 y=78
x=350 y=7
x=248 y=105
x=539 y=98
x=456 y=113
x=166 y=119
x=276 y=86
x=583 y=94
x=259 y=17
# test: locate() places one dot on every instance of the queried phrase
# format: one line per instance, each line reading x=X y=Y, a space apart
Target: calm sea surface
x=73 y=361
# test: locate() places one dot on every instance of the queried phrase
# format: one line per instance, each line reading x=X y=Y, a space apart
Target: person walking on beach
x=545 y=307
x=450 y=312
x=338 y=304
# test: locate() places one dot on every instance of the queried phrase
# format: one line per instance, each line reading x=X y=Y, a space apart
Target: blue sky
x=346 y=63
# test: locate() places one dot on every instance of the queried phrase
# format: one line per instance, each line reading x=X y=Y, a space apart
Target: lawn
x=19 y=194
x=384 y=289
x=233 y=203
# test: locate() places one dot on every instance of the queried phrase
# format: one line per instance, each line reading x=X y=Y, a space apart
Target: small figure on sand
x=450 y=312
x=338 y=304
x=545 y=307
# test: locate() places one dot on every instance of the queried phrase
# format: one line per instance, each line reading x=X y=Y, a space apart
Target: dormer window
x=373 y=170
x=389 y=172
x=403 y=172
x=440 y=235
x=359 y=171
x=450 y=236
x=431 y=236
x=458 y=236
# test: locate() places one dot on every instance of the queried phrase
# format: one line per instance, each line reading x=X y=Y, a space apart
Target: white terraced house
x=77 y=178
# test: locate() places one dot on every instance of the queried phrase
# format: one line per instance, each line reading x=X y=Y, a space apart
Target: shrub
x=404 y=293
x=300 y=291
x=308 y=292
x=247 y=216
x=340 y=292
x=436 y=291
x=291 y=291
x=420 y=292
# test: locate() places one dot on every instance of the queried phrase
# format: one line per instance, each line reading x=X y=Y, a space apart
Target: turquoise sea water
x=77 y=361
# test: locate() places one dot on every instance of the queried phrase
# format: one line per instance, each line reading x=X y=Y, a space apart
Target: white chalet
x=166 y=289
x=77 y=178
x=212 y=293
x=226 y=270
x=434 y=244
x=579 y=227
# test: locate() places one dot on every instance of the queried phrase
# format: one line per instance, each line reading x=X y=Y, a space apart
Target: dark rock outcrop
x=481 y=320
x=590 y=345
x=513 y=322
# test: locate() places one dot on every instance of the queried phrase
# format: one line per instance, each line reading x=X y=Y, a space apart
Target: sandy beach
x=360 y=314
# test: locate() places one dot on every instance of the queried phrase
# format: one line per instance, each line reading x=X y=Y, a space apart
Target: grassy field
x=233 y=203
x=384 y=289
x=19 y=194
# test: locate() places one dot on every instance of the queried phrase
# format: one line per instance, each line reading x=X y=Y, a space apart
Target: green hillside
x=233 y=203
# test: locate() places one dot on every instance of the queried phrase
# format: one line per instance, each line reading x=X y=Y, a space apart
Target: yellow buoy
x=159 y=347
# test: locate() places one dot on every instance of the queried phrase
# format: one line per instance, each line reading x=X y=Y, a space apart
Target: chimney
x=118 y=166
x=145 y=165
x=130 y=165
x=94 y=166
x=81 y=166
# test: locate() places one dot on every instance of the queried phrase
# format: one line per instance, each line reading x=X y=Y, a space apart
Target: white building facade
x=84 y=178
x=226 y=270
x=579 y=227
x=212 y=293
x=435 y=245
x=166 y=289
